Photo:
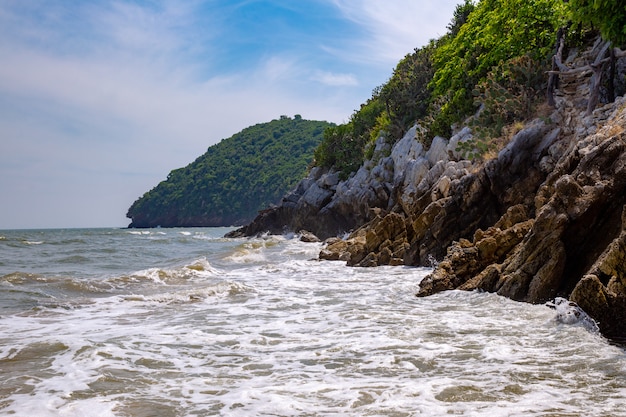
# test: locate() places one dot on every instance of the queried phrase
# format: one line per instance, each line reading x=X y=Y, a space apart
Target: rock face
x=545 y=218
x=571 y=241
x=328 y=207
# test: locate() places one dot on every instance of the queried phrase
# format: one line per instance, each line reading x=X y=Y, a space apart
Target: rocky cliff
x=563 y=229
x=546 y=217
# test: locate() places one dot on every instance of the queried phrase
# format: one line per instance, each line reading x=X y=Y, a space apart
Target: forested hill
x=234 y=179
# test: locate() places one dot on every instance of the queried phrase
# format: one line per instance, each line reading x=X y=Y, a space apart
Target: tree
x=608 y=16
x=406 y=94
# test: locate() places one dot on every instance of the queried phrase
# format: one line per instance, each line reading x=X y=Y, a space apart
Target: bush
x=609 y=16
x=496 y=32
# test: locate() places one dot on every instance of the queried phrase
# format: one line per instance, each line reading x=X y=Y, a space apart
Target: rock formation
x=571 y=241
x=544 y=218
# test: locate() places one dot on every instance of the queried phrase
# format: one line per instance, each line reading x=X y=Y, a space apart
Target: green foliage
x=508 y=95
x=495 y=32
x=406 y=94
x=393 y=107
x=344 y=146
x=339 y=149
x=235 y=178
x=461 y=13
x=474 y=149
x=609 y=16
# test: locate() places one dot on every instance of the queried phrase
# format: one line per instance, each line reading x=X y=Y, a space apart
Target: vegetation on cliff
x=609 y=16
x=494 y=58
x=235 y=178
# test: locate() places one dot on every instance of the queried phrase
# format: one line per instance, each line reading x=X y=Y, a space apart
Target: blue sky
x=100 y=99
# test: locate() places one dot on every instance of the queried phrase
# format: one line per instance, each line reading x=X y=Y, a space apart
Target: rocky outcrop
x=327 y=207
x=383 y=242
x=570 y=242
x=304 y=209
x=451 y=199
x=544 y=218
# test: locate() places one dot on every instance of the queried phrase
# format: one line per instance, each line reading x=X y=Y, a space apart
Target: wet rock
x=602 y=290
x=308 y=237
x=568 y=312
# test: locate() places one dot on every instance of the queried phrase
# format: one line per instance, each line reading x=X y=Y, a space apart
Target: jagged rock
x=463 y=136
x=381 y=242
x=602 y=291
x=571 y=241
x=316 y=196
x=465 y=260
x=404 y=153
x=438 y=150
x=343 y=250
x=466 y=199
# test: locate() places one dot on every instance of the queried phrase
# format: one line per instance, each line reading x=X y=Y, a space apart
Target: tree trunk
x=553 y=79
x=596 y=79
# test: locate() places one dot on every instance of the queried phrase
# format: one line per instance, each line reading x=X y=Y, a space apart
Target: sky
x=101 y=99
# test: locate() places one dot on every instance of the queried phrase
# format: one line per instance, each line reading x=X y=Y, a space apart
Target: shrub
x=495 y=32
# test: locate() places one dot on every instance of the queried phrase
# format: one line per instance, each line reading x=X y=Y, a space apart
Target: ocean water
x=181 y=322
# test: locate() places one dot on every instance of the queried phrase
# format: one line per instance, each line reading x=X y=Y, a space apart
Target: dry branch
x=596 y=68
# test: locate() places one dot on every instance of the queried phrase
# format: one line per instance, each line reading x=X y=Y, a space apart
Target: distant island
x=234 y=179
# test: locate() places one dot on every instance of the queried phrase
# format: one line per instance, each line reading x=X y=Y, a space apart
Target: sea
x=184 y=322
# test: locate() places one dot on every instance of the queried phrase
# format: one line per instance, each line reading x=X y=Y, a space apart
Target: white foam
x=139 y=232
x=568 y=312
x=288 y=336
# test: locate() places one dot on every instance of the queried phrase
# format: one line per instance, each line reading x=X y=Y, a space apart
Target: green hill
x=234 y=179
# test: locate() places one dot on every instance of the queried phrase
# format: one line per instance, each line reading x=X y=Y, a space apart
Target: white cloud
x=396 y=27
x=276 y=69
x=331 y=79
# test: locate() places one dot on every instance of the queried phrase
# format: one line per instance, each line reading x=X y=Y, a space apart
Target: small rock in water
x=309 y=237
x=568 y=312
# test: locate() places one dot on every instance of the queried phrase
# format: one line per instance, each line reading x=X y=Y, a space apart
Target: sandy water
x=181 y=322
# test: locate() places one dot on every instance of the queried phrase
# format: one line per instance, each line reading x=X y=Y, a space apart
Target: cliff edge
x=545 y=217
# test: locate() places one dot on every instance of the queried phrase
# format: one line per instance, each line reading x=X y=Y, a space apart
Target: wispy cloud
x=396 y=27
x=332 y=79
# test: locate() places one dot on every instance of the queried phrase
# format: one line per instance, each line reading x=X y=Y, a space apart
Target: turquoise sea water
x=182 y=322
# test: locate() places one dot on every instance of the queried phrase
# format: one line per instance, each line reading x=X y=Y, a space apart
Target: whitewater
x=183 y=322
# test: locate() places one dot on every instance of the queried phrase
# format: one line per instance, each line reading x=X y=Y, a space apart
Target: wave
x=198 y=294
x=254 y=250
x=25 y=291
x=199 y=268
